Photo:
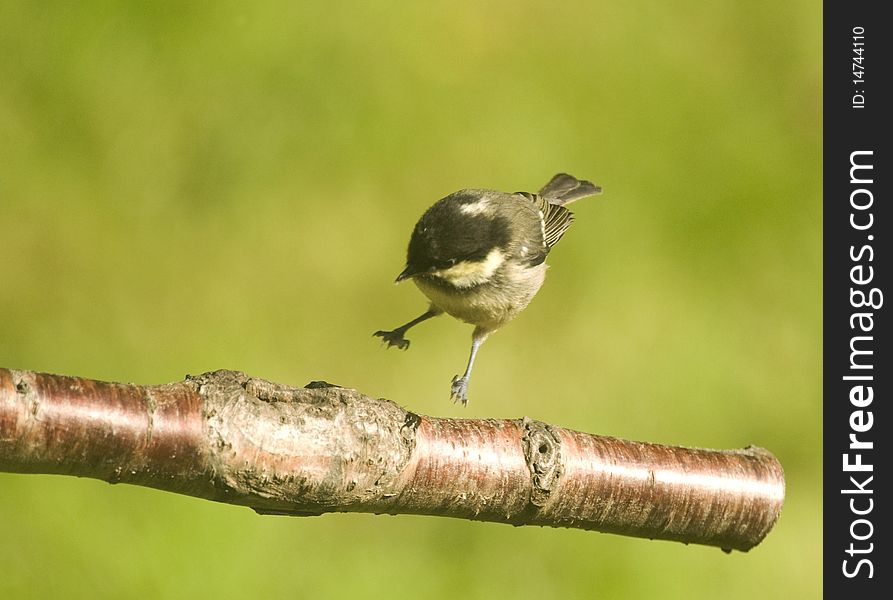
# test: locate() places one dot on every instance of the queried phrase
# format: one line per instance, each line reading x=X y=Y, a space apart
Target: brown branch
x=227 y=437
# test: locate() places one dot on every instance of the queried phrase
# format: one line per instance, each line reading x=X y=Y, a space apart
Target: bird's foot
x=459 y=390
x=393 y=338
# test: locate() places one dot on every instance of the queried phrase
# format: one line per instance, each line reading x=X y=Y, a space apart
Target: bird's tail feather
x=564 y=189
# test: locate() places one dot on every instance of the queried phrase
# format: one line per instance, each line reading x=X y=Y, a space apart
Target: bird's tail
x=564 y=189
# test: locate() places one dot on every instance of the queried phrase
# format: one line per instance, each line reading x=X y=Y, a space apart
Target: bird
x=479 y=255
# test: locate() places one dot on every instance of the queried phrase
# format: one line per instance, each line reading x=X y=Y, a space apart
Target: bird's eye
x=446 y=263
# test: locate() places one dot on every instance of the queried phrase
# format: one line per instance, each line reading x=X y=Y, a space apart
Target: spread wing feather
x=555 y=218
x=556 y=221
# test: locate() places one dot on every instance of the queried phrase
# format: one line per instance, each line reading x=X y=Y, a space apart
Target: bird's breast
x=490 y=304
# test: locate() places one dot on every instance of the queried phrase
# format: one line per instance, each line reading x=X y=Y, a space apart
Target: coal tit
x=479 y=255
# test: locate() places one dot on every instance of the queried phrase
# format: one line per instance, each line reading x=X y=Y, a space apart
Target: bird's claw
x=393 y=338
x=459 y=390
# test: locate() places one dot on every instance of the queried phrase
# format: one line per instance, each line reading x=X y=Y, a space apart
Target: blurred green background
x=187 y=188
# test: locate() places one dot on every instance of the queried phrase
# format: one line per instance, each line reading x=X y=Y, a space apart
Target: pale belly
x=488 y=306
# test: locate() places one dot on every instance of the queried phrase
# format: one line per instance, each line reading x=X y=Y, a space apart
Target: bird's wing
x=555 y=218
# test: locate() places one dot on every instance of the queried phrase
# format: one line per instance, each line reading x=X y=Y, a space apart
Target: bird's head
x=460 y=241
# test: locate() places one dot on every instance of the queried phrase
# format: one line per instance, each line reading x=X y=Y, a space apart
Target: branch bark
x=227 y=437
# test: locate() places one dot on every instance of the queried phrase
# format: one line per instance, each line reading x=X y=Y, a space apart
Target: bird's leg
x=395 y=337
x=459 y=389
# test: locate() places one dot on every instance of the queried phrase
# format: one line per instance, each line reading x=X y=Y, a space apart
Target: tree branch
x=227 y=437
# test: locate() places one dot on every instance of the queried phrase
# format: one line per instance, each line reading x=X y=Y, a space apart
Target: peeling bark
x=231 y=438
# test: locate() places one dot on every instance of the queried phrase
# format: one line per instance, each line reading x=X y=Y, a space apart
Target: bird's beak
x=408 y=272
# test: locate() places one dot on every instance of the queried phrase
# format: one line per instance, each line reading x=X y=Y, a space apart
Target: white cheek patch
x=475 y=208
x=469 y=273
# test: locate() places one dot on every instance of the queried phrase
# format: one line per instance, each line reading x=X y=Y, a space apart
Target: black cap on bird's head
x=446 y=234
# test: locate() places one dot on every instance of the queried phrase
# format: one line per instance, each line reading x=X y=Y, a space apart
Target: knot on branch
x=542 y=450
